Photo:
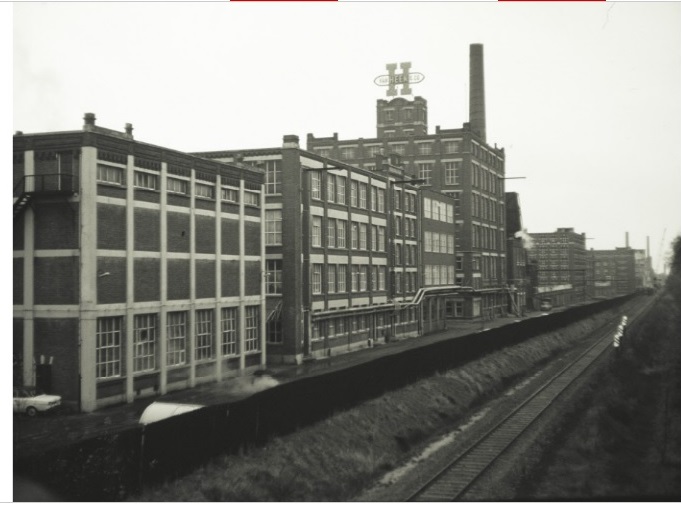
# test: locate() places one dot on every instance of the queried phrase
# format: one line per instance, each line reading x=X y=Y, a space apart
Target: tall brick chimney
x=477 y=92
x=648 y=247
x=626 y=239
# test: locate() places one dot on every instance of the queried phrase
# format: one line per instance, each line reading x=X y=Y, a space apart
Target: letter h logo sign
x=395 y=80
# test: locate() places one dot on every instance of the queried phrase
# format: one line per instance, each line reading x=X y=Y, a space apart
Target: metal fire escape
x=32 y=186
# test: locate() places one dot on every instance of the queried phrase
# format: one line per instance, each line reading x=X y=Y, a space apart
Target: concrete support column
x=88 y=279
x=242 y=279
x=218 y=278
x=191 y=331
x=129 y=278
x=163 y=265
x=263 y=296
x=28 y=371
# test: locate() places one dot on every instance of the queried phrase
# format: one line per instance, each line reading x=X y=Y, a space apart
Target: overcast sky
x=584 y=97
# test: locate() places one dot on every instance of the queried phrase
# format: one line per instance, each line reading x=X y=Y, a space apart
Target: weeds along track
x=453 y=481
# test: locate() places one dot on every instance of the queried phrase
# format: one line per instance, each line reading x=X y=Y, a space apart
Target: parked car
x=545 y=305
x=29 y=401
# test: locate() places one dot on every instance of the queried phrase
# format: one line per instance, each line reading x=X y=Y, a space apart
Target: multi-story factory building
x=561 y=264
x=342 y=255
x=517 y=243
x=458 y=162
x=137 y=269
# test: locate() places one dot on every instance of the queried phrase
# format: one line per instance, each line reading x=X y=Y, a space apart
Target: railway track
x=460 y=474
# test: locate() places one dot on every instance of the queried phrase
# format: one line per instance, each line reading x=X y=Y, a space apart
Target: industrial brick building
x=458 y=162
x=343 y=252
x=517 y=243
x=561 y=266
x=137 y=269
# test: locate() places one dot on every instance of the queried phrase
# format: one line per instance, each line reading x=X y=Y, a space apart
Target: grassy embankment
x=337 y=458
x=625 y=440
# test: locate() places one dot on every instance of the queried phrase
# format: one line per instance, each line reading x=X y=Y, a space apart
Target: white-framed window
x=109 y=344
x=273 y=277
x=452 y=172
x=342 y=229
x=204 y=334
x=229 y=326
x=354 y=278
x=372 y=151
x=252 y=198
x=315 y=185
x=176 y=338
x=144 y=343
x=451 y=146
x=252 y=337
x=425 y=147
x=363 y=271
x=428 y=241
x=145 y=180
x=272 y=177
x=316 y=231
x=340 y=189
x=425 y=172
x=229 y=194
x=427 y=208
x=363 y=236
x=381 y=278
x=179 y=186
x=341 y=279
x=331 y=232
x=331 y=188
x=331 y=278
x=362 y=195
x=273 y=227
x=381 y=200
x=204 y=190
x=354 y=234
x=347 y=153
x=450 y=244
x=381 y=238
x=354 y=193
x=317 y=278
x=450 y=212
x=110 y=175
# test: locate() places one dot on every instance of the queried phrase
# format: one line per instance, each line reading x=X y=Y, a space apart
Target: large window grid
x=111 y=175
x=204 y=334
x=109 y=339
x=273 y=227
x=144 y=180
x=229 y=329
x=342 y=233
x=252 y=337
x=273 y=277
x=315 y=185
x=272 y=177
x=144 y=343
x=452 y=172
x=176 y=335
x=316 y=231
x=317 y=278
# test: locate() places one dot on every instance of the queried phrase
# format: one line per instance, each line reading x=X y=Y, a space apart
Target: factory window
x=381 y=278
x=425 y=172
x=427 y=208
x=204 y=334
x=273 y=277
x=398 y=254
x=354 y=235
x=317 y=278
x=341 y=280
x=109 y=339
x=381 y=200
x=374 y=278
x=362 y=195
x=347 y=153
x=399 y=148
x=111 y=175
x=451 y=146
x=342 y=233
x=452 y=172
x=251 y=198
x=354 y=190
x=273 y=227
x=230 y=194
x=179 y=186
x=381 y=238
x=331 y=278
x=230 y=327
x=374 y=198
x=363 y=271
x=252 y=339
x=144 y=343
x=274 y=332
x=204 y=190
x=322 y=151
x=316 y=231
x=363 y=236
x=354 y=278
x=315 y=185
x=450 y=244
x=398 y=226
x=340 y=186
x=397 y=199
x=176 y=332
x=374 y=238
x=372 y=151
x=331 y=233
x=144 y=180
x=331 y=188
x=425 y=148
x=398 y=282
x=272 y=177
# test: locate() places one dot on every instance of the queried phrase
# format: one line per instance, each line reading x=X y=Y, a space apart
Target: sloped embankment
x=335 y=459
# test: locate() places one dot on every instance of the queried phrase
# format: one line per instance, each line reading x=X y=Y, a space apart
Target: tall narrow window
x=204 y=334
x=341 y=279
x=252 y=327
x=354 y=193
x=331 y=188
x=331 y=233
x=362 y=195
x=363 y=236
x=144 y=343
x=273 y=227
x=354 y=233
x=342 y=233
x=176 y=333
x=273 y=277
x=316 y=278
x=316 y=231
x=340 y=189
x=315 y=185
x=273 y=177
x=109 y=338
x=230 y=327
x=331 y=278
x=381 y=200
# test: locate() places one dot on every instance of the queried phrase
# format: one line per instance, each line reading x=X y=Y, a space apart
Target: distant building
x=458 y=162
x=561 y=266
x=517 y=244
x=603 y=278
x=137 y=268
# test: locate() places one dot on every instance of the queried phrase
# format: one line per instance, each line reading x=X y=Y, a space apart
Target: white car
x=30 y=402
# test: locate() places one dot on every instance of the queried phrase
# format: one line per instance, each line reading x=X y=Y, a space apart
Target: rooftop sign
x=392 y=80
